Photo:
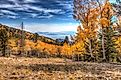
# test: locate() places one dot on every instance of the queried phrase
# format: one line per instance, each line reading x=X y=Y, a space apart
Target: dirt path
x=56 y=69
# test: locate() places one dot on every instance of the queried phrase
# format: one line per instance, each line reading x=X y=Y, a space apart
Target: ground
x=21 y=68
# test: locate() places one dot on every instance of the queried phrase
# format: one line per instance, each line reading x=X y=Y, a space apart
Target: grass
x=21 y=68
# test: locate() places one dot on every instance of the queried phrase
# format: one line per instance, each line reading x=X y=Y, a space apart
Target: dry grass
x=55 y=69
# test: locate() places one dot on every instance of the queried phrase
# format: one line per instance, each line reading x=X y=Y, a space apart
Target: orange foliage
x=106 y=14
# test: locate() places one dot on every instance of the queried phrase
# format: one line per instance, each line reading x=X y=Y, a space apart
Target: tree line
x=98 y=30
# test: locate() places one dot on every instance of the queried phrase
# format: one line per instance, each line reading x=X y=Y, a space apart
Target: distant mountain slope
x=57 y=35
x=13 y=32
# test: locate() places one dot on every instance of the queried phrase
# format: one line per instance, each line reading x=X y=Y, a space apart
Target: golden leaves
x=79 y=47
x=108 y=5
x=12 y=44
x=118 y=44
x=107 y=11
x=104 y=22
x=79 y=29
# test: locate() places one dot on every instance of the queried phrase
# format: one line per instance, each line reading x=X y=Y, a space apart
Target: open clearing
x=20 y=68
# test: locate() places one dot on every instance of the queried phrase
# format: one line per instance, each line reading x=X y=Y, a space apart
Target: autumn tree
x=86 y=12
x=78 y=48
x=107 y=30
x=36 y=35
x=3 y=40
x=118 y=38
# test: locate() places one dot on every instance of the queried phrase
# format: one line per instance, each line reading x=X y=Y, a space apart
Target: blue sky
x=39 y=15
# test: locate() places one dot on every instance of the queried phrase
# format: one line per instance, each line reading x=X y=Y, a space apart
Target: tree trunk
x=103 y=47
x=78 y=57
x=3 y=51
x=90 y=48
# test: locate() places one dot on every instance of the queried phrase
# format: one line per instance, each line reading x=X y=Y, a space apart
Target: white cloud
x=41 y=9
x=8 y=12
x=12 y=0
x=12 y=17
x=66 y=4
x=28 y=8
x=14 y=7
x=29 y=1
x=49 y=16
x=36 y=27
x=6 y=6
x=36 y=15
x=52 y=10
x=33 y=15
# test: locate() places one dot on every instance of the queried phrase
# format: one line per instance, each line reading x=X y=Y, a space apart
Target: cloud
x=39 y=15
x=36 y=27
x=34 y=15
x=6 y=6
x=1 y=14
x=48 y=16
x=28 y=1
x=12 y=17
x=8 y=12
x=29 y=7
x=66 y=4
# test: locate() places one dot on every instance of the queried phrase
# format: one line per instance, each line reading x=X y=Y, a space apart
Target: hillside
x=16 y=33
x=33 y=45
x=58 y=35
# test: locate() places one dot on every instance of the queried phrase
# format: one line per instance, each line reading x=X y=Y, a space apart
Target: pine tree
x=36 y=35
x=66 y=40
x=107 y=32
x=3 y=40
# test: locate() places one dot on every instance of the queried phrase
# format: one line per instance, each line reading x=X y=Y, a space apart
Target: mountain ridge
x=14 y=32
x=58 y=35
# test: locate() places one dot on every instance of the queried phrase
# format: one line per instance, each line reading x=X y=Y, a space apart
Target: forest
x=95 y=48
x=97 y=38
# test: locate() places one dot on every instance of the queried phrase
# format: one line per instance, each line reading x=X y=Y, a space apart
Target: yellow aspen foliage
x=105 y=22
x=79 y=47
x=107 y=11
x=29 y=45
x=47 y=48
x=107 y=8
x=93 y=14
x=66 y=50
x=12 y=45
x=118 y=44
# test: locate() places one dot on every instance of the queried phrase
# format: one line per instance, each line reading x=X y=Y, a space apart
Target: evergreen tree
x=109 y=44
x=3 y=41
x=107 y=33
x=36 y=35
x=66 y=40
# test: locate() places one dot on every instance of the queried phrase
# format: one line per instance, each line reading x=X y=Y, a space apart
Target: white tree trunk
x=103 y=47
x=90 y=48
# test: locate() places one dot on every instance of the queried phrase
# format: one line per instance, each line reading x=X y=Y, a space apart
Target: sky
x=39 y=15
